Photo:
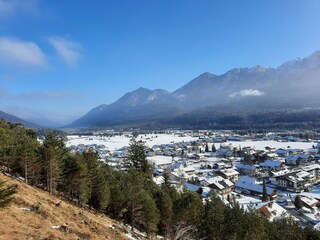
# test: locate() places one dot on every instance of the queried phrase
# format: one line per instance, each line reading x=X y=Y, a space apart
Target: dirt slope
x=18 y=222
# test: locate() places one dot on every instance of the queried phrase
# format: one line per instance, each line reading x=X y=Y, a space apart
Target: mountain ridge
x=293 y=83
x=14 y=119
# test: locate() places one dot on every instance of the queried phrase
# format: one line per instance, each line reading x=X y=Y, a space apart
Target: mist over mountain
x=42 y=121
x=293 y=85
x=14 y=119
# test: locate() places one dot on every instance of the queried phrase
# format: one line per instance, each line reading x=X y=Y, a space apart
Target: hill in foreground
x=35 y=214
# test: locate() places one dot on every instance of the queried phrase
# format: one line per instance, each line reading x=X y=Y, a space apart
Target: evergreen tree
x=7 y=145
x=213 y=218
x=117 y=205
x=213 y=148
x=74 y=179
x=134 y=193
x=166 y=179
x=206 y=148
x=189 y=209
x=136 y=157
x=165 y=207
x=297 y=202
x=264 y=192
x=6 y=193
x=285 y=228
x=53 y=151
x=150 y=213
x=99 y=195
x=247 y=159
x=26 y=161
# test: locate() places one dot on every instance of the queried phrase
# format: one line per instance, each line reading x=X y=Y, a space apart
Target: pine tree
x=6 y=193
x=264 y=192
x=74 y=178
x=165 y=207
x=7 y=143
x=150 y=213
x=297 y=202
x=189 y=209
x=136 y=157
x=214 y=218
x=26 y=161
x=206 y=148
x=53 y=151
x=99 y=188
x=213 y=148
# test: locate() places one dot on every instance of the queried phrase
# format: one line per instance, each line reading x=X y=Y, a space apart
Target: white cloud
x=247 y=92
x=18 y=52
x=68 y=50
x=11 y=7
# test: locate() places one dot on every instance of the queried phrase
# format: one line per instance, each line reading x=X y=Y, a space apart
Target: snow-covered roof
x=245 y=166
x=302 y=174
x=219 y=182
x=309 y=200
x=311 y=167
x=271 y=210
x=160 y=160
x=229 y=172
x=252 y=187
x=270 y=163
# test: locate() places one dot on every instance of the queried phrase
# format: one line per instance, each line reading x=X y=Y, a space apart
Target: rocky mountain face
x=292 y=85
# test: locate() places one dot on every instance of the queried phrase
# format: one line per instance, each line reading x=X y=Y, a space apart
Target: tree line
x=130 y=196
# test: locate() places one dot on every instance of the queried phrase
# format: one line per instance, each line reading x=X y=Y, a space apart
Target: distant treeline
x=217 y=119
x=263 y=119
x=131 y=196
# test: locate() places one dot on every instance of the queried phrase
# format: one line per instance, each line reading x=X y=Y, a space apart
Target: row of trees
x=131 y=196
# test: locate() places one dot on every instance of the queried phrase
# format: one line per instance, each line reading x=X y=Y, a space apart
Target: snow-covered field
x=260 y=145
x=116 y=142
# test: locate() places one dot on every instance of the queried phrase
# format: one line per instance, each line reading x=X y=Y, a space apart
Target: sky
x=59 y=59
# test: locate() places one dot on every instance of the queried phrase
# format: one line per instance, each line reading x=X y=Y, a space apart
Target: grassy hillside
x=34 y=213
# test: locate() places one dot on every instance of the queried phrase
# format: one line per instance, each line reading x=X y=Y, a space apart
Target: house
x=296 y=160
x=250 y=186
x=178 y=175
x=314 y=170
x=224 y=152
x=246 y=169
x=293 y=160
x=293 y=181
x=203 y=191
x=219 y=185
x=270 y=210
x=270 y=148
x=309 y=202
x=313 y=151
x=229 y=173
x=282 y=152
x=272 y=165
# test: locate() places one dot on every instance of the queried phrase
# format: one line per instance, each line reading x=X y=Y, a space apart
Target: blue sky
x=59 y=59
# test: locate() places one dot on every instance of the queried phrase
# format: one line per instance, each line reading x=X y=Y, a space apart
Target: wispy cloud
x=39 y=95
x=49 y=95
x=18 y=52
x=68 y=50
x=9 y=8
x=247 y=92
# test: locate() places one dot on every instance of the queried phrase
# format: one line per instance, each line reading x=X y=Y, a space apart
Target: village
x=239 y=169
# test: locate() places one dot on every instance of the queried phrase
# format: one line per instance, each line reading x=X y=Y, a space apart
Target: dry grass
x=16 y=223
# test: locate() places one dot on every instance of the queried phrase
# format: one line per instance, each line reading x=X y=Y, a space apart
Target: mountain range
x=241 y=92
x=14 y=119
